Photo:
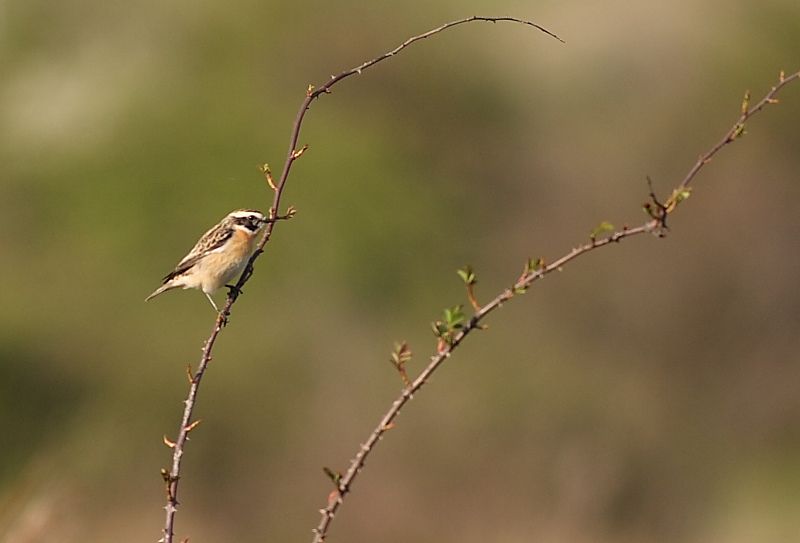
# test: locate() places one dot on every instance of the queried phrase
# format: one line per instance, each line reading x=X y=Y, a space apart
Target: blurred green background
x=649 y=393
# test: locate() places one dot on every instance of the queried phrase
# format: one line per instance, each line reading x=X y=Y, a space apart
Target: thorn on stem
x=192 y=425
x=334 y=476
x=657 y=210
x=168 y=442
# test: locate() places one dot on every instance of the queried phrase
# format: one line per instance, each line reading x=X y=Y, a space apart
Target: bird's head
x=249 y=220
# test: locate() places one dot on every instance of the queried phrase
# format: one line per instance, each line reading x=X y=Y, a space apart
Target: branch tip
x=400 y=356
x=467 y=274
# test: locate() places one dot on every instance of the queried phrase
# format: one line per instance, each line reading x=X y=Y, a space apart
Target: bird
x=218 y=256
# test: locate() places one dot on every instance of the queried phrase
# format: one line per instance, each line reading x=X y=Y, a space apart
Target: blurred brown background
x=649 y=393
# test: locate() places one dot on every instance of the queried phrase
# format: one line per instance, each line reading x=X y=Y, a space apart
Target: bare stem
x=172 y=477
x=737 y=129
x=655 y=225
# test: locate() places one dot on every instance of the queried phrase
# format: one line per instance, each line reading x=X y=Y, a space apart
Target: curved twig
x=172 y=476
x=531 y=274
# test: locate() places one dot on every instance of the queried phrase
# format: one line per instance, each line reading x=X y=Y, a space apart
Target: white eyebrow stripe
x=243 y=214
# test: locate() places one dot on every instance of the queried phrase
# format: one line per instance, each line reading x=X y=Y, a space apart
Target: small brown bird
x=219 y=256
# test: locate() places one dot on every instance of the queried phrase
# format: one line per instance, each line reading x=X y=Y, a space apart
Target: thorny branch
x=534 y=271
x=172 y=476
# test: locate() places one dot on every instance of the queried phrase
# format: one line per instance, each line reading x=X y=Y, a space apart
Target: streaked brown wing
x=210 y=242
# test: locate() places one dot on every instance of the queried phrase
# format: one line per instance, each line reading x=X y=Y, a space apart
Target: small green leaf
x=401 y=354
x=602 y=228
x=533 y=265
x=467 y=275
x=453 y=317
x=682 y=195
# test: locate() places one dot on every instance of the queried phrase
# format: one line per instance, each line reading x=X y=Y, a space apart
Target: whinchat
x=218 y=256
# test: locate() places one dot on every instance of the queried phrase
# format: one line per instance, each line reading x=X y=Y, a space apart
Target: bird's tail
x=163 y=288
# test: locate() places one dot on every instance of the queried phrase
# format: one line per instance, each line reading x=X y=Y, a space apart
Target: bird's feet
x=233 y=291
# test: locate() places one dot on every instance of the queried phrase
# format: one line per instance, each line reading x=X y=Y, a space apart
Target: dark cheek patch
x=248 y=223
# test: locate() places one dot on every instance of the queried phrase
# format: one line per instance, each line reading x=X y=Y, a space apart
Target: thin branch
x=531 y=275
x=314 y=92
x=172 y=477
x=737 y=130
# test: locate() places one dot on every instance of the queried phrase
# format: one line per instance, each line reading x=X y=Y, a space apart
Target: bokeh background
x=649 y=393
